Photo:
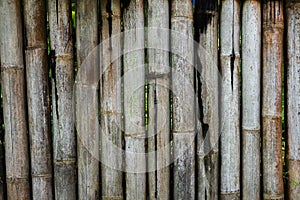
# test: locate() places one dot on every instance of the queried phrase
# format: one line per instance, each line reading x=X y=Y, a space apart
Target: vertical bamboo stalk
x=111 y=112
x=251 y=76
x=64 y=149
x=271 y=108
x=134 y=82
x=158 y=101
x=207 y=31
x=183 y=99
x=2 y=152
x=293 y=99
x=87 y=80
x=38 y=99
x=230 y=99
x=14 y=108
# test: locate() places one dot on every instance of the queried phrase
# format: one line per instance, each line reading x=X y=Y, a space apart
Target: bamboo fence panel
x=151 y=99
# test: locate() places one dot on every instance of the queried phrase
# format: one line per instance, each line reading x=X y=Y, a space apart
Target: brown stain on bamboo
x=273 y=25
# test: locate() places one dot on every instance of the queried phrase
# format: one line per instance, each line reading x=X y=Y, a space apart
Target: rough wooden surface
x=13 y=91
x=134 y=101
x=206 y=24
x=251 y=79
x=183 y=99
x=271 y=101
x=158 y=100
x=111 y=116
x=62 y=81
x=230 y=99
x=38 y=99
x=87 y=122
x=293 y=99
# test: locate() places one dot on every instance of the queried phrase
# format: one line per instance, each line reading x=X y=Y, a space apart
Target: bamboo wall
x=157 y=99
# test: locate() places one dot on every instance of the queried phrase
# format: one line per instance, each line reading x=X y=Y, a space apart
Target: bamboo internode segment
x=110 y=98
x=271 y=101
x=293 y=99
x=14 y=108
x=230 y=99
x=251 y=79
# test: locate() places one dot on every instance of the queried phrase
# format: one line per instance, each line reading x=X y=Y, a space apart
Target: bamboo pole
x=111 y=112
x=271 y=107
x=293 y=100
x=206 y=23
x=64 y=149
x=38 y=99
x=158 y=99
x=134 y=101
x=2 y=152
x=251 y=77
x=230 y=99
x=87 y=122
x=14 y=108
x=183 y=99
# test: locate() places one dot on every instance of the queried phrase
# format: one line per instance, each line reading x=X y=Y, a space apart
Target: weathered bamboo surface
x=111 y=111
x=293 y=97
x=38 y=99
x=62 y=81
x=206 y=24
x=158 y=76
x=86 y=100
x=251 y=79
x=125 y=108
x=134 y=100
x=182 y=47
x=14 y=107
x=2 y=154
x=230 y=99
x=271 y=99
